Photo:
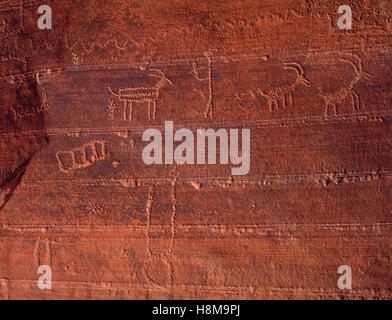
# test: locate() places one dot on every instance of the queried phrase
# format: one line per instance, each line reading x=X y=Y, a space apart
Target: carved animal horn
x=161 y=76
x=296 y=66
x=112 y=92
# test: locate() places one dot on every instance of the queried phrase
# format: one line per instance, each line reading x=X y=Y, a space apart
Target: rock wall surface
x=76 y=195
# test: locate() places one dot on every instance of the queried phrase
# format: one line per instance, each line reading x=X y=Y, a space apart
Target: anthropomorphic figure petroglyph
x=195 y=71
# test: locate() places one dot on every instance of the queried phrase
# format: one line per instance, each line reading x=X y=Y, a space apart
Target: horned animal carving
x=283 y=95
x=130 y=95
x=331 y=100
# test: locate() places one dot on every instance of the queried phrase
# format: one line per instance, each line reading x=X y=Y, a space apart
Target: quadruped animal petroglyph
x=131 y=95
x=283 y=95
x=279 y=94
x=331 y=100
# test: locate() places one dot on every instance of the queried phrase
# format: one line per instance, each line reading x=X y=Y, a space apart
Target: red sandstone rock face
x=23 y=130
x=76 y=195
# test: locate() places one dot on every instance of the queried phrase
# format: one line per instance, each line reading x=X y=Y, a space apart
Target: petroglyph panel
x=81 y=157
x=312 y=150
x=75 y=193
x=259 y=88
x=323 y=85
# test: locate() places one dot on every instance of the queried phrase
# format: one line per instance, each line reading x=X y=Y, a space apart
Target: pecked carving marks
x=277 y=93
x=208 y=77
x=154 y=261
x=222 y=87
x=283 y=95
x=347 y=91
x=43 y=252
x=131 y=95
x=19 y=111
x=82 y=157
x=159 y=266
x=322 y=84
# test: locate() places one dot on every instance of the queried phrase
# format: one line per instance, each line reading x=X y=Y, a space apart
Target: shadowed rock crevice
x=22 y=131
x=7 y=189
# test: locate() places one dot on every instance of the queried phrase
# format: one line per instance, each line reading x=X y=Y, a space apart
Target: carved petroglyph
x=87 y=48
x=112 y=108
x=279 y=95
x=82 y=157
x=43 y=252
x=173 y=228
x=23 y=107
x=46 y=75
x=209 y=110
x=283 y=95
x=130 y=95
x=19 y=112
x=159 y=268
x=331 y=100
x=149 y=204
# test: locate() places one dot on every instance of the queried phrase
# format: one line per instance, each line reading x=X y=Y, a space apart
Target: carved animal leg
x=288 y=99
x=356 y=102
x=326 y=111
x=335 y=111
x=125 y=110
x=278 y=101
x=125 y=113
x=282 y=98
x=130 y=113
x=269 y=102
x=208 y=112
x=267 y=98
x=275 y=102
x=270 y=107
x=152 y=109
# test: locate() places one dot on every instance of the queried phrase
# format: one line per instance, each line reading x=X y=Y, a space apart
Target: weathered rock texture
x=76 y=195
